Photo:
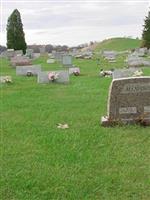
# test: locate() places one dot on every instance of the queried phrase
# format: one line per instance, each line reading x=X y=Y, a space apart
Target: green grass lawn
x=118 y=44
x=84 y=162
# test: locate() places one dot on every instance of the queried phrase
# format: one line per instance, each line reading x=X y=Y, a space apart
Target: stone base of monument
x=106 y=122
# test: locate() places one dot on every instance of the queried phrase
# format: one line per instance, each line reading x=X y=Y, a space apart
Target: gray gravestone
x=129 y=101
x=134 y=60
x=109 y=55
x=50 y=61
x=10 y=53
x=42 y=50
x=141 y=51
x=30 y=53
x=20 y=61
x=58 y=56
x=31 y=70
x=123 y=73
x=63 y=77
x=73 y=70
x=18 y=52
x=67 y=60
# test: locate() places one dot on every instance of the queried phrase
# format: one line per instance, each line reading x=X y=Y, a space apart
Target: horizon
x=73 y=23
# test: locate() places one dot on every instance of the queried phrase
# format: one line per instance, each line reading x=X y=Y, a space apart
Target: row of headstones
x=112 y=55
x=133 y=60
x=60 y=76
x=109 y=55
x=141 y=52
x=64 y=59
x=10 y=53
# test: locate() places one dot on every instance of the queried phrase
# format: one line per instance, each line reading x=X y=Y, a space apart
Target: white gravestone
x=74 y=70
x=50 y=61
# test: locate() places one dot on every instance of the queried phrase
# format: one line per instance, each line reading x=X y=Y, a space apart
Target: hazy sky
x=74 y=22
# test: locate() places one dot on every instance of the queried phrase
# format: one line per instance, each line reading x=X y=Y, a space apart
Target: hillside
x=118 y=44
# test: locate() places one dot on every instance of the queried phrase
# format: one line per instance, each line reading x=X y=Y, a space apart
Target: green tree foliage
x=146 y=32
x=15 y=33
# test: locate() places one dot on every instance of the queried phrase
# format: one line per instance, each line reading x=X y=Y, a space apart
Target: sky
x=74 y=22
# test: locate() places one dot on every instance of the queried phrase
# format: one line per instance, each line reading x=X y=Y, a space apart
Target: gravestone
x=53 y=53
x=109 y=55
x=74 y=70
x=10 y=53
x=62 y=77
x=18 y=52
x=50 y=61
x=129 y=101
x=141 y=51
x=20 y=61
x=123 y=73
x=42 y=49
x=31 y=70
x=29 y=53
x=5 y=79
x=136 y=61
x=67 y=60
x=58 y=56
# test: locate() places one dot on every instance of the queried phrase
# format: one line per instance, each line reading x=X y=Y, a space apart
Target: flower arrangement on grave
x=7 y=79
x=76 y=72
x=52 y=76
x=29 y=73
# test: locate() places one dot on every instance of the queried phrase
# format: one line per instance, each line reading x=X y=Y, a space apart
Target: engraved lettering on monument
x=135 y=88
x=127 y=110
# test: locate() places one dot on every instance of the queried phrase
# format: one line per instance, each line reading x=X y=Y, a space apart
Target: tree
x=146 y=32
x=15 y=33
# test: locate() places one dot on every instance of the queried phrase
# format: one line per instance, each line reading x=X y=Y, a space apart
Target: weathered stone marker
x=10 y=53
x=123 y=73
x=129 y=101
x=30 y=53
x=20 y=61
x=67 y=60
x=31 y=70
x=74 y=70
x=53 y=76
x=18 y=52
x=50 y=61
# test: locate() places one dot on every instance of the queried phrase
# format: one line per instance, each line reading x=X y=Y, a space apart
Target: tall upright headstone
x=67 y=60
x=129 y=101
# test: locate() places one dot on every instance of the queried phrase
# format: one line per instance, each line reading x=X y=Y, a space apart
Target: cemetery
x=58 y=109
x=75 y=119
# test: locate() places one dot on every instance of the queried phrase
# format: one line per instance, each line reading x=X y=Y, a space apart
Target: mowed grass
x=118 y=44
x=84 y=162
